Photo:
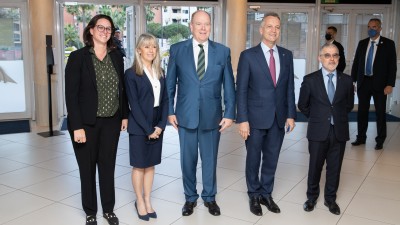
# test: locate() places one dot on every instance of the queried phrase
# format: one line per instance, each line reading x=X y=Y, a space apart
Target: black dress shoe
x=270 y=204
x=91 y=220
x=309 y=205
x=357 y=142
x=333 y=207
x=111 y=218
x=213 y=208
x=187 y=209
x=378 y=146
x=255 y=206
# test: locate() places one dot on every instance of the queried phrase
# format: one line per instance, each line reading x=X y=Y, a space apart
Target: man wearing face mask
x=374 y=70
x=330 y=36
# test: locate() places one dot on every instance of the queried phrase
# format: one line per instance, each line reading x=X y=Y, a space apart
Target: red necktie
x=272 y=68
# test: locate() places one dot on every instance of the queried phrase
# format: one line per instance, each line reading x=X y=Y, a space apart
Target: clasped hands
x=156 y=134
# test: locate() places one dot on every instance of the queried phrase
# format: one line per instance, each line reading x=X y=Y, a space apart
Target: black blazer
x=384 y=66
x=342 y=60
x=141 y=101
x=315 y=105
x=81 y=88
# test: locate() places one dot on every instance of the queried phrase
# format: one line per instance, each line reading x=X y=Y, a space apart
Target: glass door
x=73 y=16
x=295 y=36
x=15 y=86
x=352 y=26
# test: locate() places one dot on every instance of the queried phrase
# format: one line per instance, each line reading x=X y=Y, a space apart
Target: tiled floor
x=39 y=183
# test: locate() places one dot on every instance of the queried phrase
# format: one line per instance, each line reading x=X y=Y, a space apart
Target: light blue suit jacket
x=199 y=103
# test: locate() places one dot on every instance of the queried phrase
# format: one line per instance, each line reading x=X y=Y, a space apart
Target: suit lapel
x=89 y=63
x=211 y=58
x=147 y=82
x=282 y=59
x=321 y=85
x=339 y=84
x=190 y=57
x=364 y=51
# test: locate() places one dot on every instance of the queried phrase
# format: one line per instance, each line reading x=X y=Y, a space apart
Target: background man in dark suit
x=330 y=36
x=118 y=42
x=265 y=105
x=201 y=67
x=327 y=105
x=374 y=69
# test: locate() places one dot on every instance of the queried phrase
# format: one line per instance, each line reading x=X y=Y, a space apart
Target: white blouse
x=155 y=83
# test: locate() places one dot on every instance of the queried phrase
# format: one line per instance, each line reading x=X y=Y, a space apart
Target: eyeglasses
x=101 y=28
x=328 y=56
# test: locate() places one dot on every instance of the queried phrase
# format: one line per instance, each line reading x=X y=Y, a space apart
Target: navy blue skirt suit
x=143 y=117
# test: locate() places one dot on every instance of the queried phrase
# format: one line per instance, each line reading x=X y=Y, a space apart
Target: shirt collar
x=265 y=48
x=325 y=72
x=376 y=40
x=196 y=44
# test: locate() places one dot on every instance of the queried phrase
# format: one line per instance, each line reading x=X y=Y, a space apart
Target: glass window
x=12 y=76
x=77 y=15
x=170 y=24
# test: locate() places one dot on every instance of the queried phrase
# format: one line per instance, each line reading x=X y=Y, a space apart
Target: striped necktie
x=201 y=63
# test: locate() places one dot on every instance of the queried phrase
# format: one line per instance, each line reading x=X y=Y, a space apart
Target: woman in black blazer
x=97 y=112
x=145 y=87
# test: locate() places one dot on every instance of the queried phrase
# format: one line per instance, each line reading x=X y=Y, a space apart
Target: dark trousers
x=365 y=92
x=193 y=141
x=99 y=150
x=332 y=152
x=267 y=142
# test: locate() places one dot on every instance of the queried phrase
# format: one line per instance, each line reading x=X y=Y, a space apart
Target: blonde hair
x=145 y=39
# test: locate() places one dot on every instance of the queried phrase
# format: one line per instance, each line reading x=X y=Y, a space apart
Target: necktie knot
x=201 y=46
x=330 y=76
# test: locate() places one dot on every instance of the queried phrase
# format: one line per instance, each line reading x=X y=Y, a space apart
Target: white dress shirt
x=155 y=83
x=196 y=50
x=373 y=57
x=267 y=55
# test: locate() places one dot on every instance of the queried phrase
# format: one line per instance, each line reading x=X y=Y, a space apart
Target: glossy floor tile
x=39 y=183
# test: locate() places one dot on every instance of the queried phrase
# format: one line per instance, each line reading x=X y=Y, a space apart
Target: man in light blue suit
x=265 y=106
x=198 y=69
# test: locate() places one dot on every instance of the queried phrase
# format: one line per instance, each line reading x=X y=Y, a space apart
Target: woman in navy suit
x=145 y=86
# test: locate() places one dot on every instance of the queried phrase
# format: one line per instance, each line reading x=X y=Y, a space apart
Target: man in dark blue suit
x=375 y=79
x=265 y=106
x=198 y=69
x=326 y=98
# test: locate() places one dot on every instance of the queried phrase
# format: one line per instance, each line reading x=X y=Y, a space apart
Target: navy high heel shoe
x=142 y=217
x=152 y=215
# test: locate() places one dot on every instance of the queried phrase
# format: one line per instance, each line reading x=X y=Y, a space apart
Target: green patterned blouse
x=107 y=85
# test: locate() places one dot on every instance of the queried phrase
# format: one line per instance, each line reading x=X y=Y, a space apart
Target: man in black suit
x=326 y=98
x=118 y=42
x=330 y=36
x=374 y=69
